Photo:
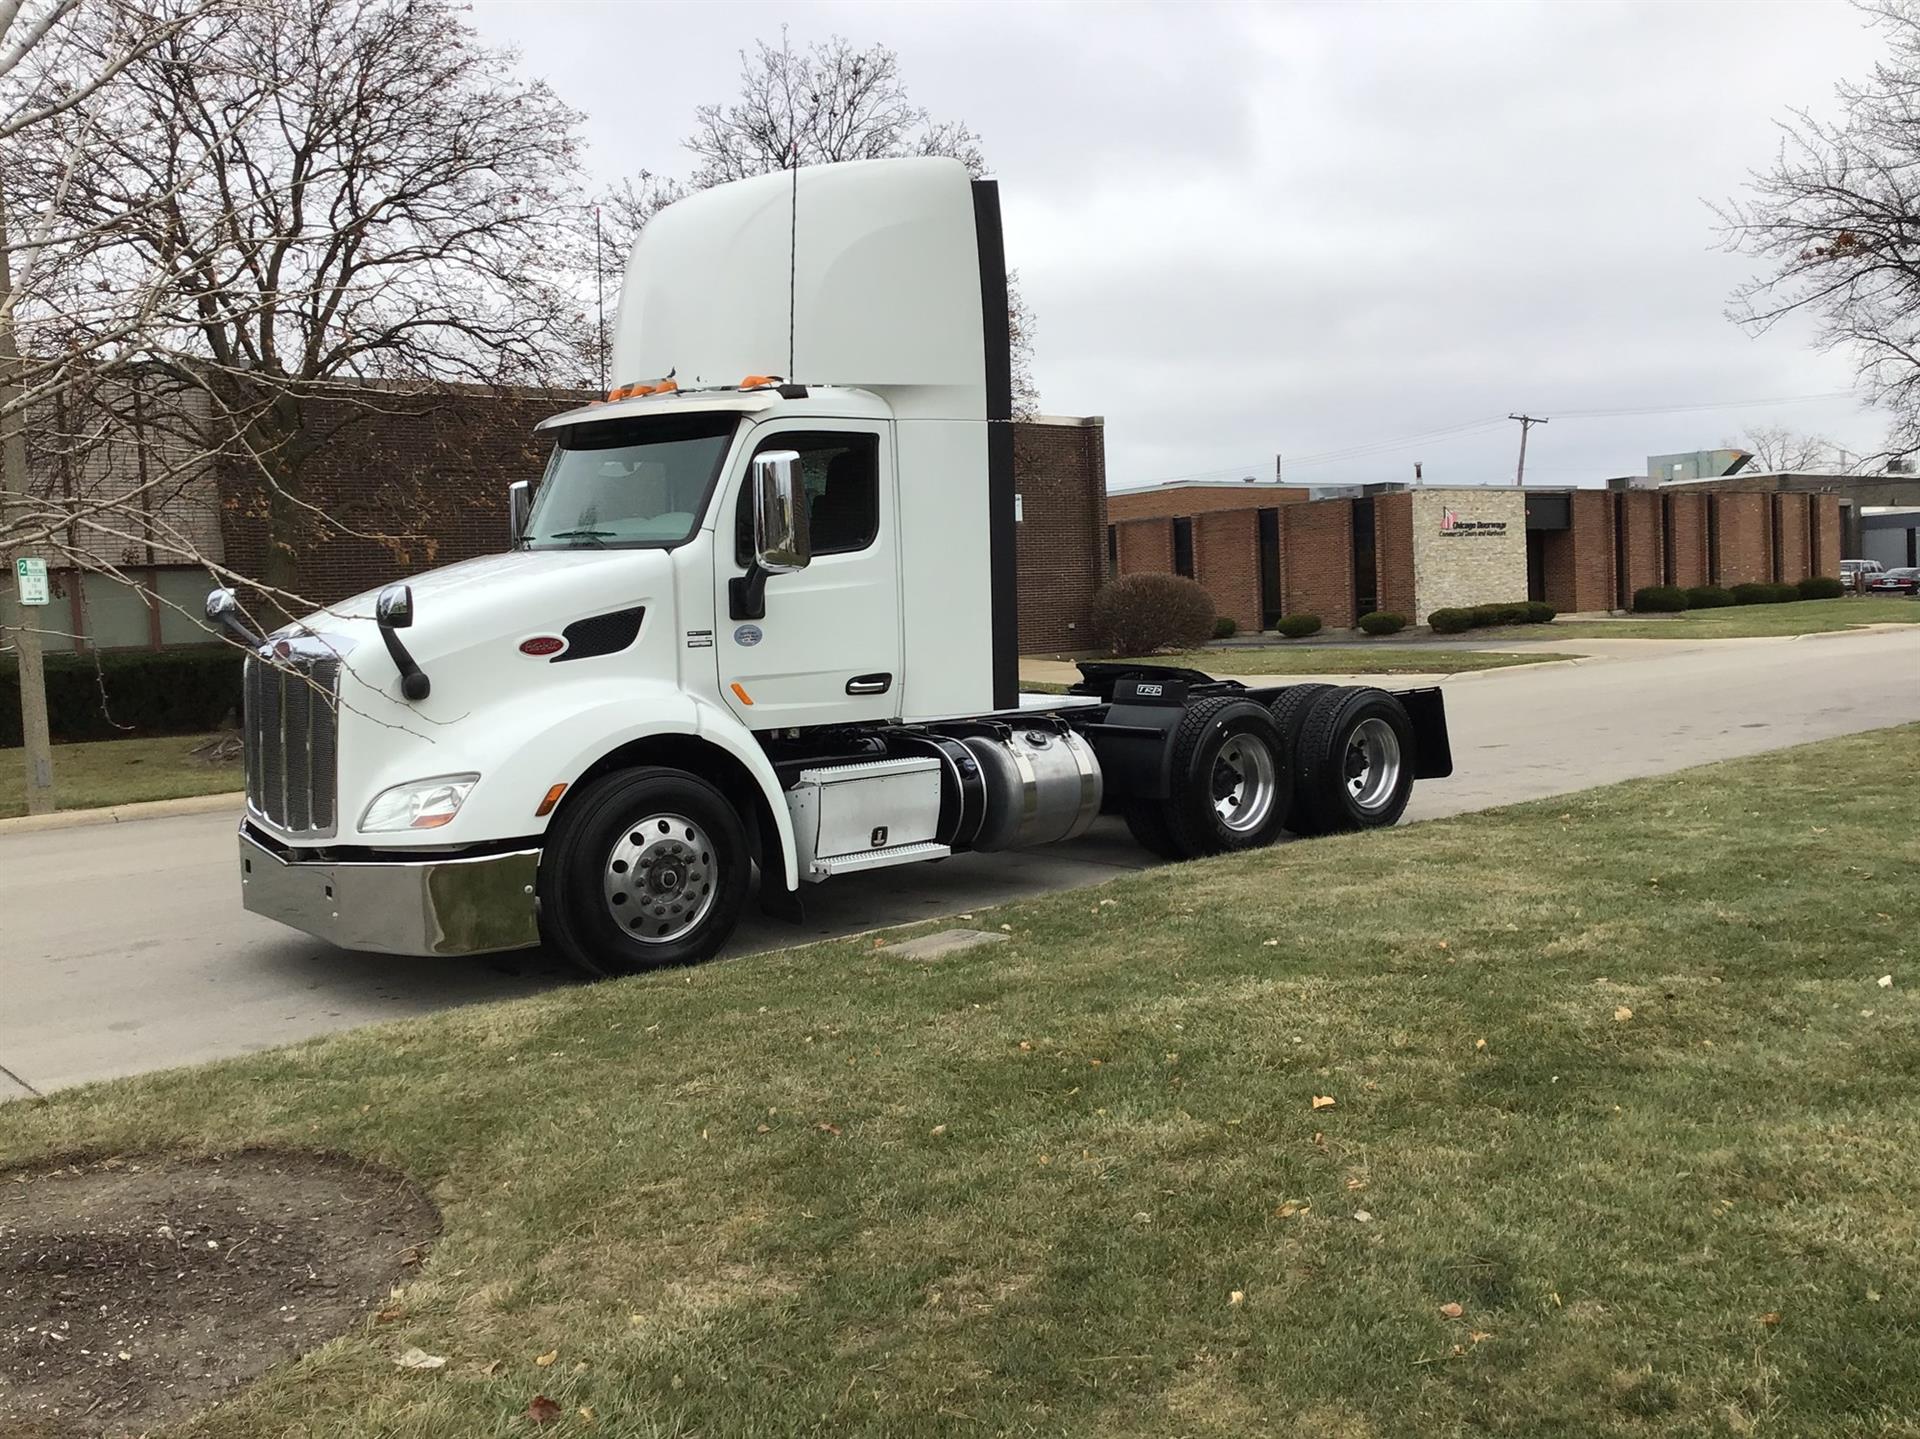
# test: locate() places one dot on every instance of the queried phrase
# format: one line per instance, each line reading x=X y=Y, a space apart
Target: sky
x=1306 y=230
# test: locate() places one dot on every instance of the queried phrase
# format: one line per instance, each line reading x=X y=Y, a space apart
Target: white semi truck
x=757 y=615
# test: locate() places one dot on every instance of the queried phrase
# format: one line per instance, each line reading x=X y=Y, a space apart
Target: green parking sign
x=31 y=576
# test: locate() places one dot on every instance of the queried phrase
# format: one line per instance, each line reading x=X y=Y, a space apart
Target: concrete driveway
x=124 y=947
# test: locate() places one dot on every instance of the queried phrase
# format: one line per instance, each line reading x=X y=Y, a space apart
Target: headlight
x=418 y=804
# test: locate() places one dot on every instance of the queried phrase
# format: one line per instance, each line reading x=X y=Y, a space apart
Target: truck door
x=828 y=649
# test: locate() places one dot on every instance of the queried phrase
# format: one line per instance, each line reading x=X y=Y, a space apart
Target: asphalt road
x=123 y=948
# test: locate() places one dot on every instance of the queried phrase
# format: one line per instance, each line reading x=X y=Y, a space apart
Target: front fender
x=521 y=751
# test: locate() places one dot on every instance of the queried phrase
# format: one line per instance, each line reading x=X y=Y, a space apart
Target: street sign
x=32 y=578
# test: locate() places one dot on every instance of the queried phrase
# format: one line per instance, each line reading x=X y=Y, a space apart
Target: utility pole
x=13 y=489
x=1527 y=422
x=1276 y=469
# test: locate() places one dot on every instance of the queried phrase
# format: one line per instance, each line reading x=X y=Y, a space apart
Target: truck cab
x=754 y=623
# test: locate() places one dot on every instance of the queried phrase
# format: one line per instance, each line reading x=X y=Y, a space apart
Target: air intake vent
x=291 y=723
x=602 y=635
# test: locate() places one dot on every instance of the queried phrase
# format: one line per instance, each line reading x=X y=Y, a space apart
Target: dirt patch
x=134 y=1292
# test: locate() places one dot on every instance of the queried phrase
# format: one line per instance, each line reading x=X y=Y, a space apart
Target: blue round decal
x=747 y=635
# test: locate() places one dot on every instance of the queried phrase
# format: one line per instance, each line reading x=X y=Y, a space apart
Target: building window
x=1113 y=551
x=1183 y=548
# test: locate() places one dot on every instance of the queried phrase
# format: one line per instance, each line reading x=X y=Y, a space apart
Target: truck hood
x=479 y=603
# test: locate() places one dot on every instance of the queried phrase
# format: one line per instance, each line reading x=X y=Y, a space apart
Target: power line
x=1367 y=448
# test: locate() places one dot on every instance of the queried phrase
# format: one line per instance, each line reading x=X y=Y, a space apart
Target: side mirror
x=781 y=540
x=394 y=608
x=223 y=609
x=519 y=506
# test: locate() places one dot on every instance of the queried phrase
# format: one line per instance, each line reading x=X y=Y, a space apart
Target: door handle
x=869 y=684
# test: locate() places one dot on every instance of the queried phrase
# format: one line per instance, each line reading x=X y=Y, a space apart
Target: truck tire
x=645 y=868
x=1353 y=763
x=1228 y=783
x=1289 y=711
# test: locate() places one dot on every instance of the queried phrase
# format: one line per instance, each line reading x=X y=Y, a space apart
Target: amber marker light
x=552 y=799
x=745 y=698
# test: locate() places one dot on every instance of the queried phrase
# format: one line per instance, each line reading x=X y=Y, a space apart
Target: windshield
x=629 y=482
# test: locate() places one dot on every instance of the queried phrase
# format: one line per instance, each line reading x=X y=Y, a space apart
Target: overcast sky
x=1306 y=228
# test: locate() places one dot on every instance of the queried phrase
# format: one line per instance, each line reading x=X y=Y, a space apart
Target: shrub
x=1138 y=614
x=146 y=692
x=1383 y=622
x=1539 y=612
x=1296 y=627
x=1450 y=621
x=1758 y=593
x=1223 y=627
x=1507 y=614
x=1660 y=600
x=1708 y=597
x=1820 y=587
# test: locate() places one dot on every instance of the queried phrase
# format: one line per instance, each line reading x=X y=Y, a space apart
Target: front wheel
x=646 y=868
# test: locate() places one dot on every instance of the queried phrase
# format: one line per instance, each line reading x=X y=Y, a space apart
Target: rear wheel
x=645 y=868
x=1353 y=763
x=1228 y=784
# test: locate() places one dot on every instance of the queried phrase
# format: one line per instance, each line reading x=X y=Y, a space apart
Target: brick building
x=1263 y=551
x=412 y=478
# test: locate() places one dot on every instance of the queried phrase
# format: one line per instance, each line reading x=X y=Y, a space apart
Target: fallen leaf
x=1479 y=1044
x=581 y=1367
x=1270 y=943
x=938 y=1130
x=1885 y=981
x=417 y=1358
x=490 y=1368
x=387 y=1316
x=763 y=1129
x=1323 y=1101
x=543 y=1360
x=1362 y=1216
x=1356 y=1183
x=543 y=1410
x=1291 y=1208
x=586 y=1412
x=1237 y=1297
x=1478 y=1335
x=1771 y=1318
x=826 y=1128
x=1452 y=1311
x=1622 y=1014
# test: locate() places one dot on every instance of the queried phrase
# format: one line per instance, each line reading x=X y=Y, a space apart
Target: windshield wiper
x=595 y=536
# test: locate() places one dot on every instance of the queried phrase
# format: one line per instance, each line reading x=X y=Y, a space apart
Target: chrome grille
x=292 y=718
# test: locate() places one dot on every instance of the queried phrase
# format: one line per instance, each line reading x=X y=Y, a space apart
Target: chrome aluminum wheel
x=1244 y=783
x=659 y=880
x=1373 y=764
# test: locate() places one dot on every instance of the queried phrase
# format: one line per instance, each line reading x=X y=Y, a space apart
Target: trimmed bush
x=1539 y=612
x=1138 y=614
x=1383 y=622
x=147 y=692
x=1820 y=587
x=1296 y=627
x=1223 y=627
x=1660 y=600
x=1759 y=593
x=1450 y=621
x=1708 y=597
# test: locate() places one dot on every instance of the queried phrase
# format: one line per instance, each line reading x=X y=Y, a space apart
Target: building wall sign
x=1452 y=526
x=1469 y=547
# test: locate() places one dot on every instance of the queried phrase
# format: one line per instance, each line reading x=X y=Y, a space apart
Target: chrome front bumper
x=435 y=906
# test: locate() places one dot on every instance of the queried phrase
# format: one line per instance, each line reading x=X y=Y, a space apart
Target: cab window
x=842 y=474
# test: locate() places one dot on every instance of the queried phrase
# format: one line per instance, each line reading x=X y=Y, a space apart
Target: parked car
x=1852 y=572
x=1903 y=581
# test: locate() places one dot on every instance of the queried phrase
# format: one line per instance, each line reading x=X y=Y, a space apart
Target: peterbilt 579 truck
x=756 y=616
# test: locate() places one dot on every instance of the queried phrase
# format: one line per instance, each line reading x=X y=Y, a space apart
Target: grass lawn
x=120 y=771
x=1359 y=659
x=1800 y=617
x=1613 y=1074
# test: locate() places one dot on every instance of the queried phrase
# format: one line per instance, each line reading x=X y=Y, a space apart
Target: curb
x=124 y=813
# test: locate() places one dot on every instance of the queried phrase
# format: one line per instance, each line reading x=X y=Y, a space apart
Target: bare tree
x=1836 y=219
x=1779 y=450
x=331 y=192
x=828 y=103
